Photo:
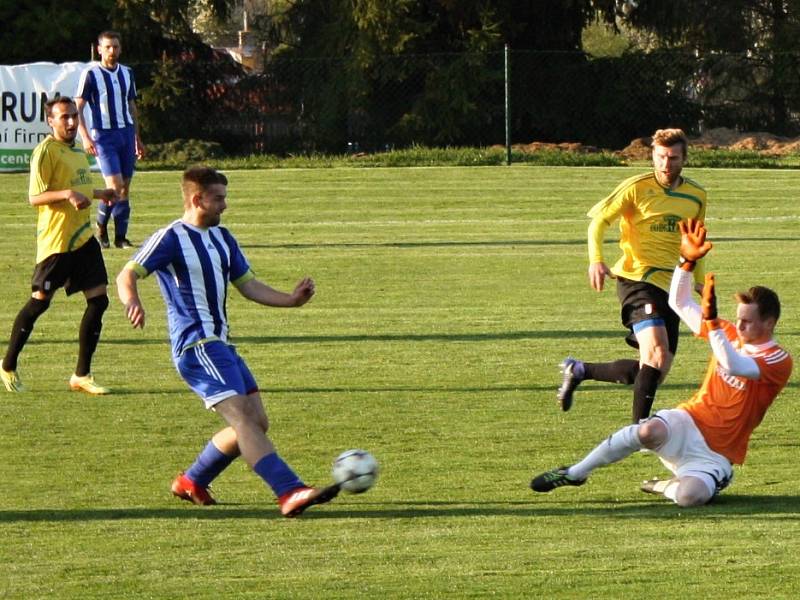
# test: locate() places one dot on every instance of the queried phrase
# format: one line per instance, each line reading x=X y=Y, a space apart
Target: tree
x=53 y=31
x=758 y=88
x=66 y=30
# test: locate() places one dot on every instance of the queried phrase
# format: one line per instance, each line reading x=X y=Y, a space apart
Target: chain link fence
x=330 y=105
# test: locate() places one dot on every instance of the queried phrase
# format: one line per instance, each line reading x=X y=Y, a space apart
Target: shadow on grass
x=551 y=334
x=474 y=243
x=743 y=506
x=374 y=337
x=425 y=244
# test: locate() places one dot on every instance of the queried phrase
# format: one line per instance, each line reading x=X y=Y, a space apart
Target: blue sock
x=122 y=214
x=103 y=213
x=278 y=475
x=208 y=464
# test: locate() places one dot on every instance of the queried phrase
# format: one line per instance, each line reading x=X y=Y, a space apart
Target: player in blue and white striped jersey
x=193 y=266
x=194 y=259
x=109 y=89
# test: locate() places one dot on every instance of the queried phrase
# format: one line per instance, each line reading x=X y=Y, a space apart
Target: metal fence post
x=507 y=76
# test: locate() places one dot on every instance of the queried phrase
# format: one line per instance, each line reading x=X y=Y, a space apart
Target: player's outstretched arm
x=694 y=245
x=259 y=292
x=128 y=292
x=681 y=301
x=728 y=357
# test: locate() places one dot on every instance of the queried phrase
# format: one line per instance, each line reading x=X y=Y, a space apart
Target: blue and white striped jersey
x=107 y=93
x=193 y=267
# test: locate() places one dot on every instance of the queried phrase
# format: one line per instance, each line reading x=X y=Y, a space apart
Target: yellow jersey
x=60 y=226
x=648 y=215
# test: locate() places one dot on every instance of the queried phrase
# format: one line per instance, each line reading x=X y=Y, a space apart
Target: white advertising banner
x=23 y=91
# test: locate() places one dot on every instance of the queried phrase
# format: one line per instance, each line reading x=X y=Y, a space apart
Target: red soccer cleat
x=186 y=489
x=295 y=502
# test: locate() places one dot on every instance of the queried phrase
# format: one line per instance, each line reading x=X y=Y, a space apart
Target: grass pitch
x=446 y=299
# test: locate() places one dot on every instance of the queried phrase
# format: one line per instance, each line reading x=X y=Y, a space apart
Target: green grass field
x=446 y=299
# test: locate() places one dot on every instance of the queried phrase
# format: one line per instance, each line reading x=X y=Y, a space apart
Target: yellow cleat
x=87 y=384
x=12 y=381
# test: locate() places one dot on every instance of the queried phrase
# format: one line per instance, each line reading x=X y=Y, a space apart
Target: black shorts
x=76 y=271
x=642 y=301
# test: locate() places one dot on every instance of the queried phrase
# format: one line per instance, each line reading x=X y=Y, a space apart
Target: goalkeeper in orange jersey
x=648 y=208
x=702 y=438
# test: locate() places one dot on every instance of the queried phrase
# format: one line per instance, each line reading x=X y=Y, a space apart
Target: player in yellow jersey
x=67 y=254
x=648 y=208
x=702 y=438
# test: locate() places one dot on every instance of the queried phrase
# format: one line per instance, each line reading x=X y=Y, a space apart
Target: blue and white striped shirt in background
x=107 y=93
x=193 y=267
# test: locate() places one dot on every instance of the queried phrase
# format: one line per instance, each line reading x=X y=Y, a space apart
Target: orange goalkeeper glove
x=693 y=243
x=709 y=301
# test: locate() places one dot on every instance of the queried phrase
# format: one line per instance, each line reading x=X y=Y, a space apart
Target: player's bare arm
x=128 y=292
x=86 y=138
x=261 y=293
x=107 y=195
x=75 y=198
x=139 y=149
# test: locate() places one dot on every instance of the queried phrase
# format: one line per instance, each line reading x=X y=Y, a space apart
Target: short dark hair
x=109 y=35
x=769 y=306
x=200 y=178
x=57 y=100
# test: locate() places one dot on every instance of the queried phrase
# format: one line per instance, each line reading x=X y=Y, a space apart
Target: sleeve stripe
x=145 y=251
x=776 y=357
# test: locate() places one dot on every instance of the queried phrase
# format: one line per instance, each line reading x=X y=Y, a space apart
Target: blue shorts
x=215 y=372
x=116 y=151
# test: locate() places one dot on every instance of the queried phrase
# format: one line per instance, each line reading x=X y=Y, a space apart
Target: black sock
x=89 y=335
x=644 y=391
x=21 y=330
x=619 y=371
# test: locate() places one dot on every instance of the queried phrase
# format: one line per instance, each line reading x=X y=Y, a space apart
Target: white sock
x=619 y=445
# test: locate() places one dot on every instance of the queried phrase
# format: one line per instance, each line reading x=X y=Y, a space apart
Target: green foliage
x=446 y=297
x=182 y=152
x=161 y=101
x=407 y=72
x=598 y=39
x=51 y=31
x=733 y=159
x=758 y=26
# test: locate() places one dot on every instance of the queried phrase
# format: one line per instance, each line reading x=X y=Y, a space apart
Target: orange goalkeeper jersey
x=727 y=408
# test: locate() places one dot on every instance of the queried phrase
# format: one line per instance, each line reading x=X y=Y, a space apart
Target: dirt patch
x=713 y=139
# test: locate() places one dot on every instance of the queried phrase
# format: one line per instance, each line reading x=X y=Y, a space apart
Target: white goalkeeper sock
x=618 y=445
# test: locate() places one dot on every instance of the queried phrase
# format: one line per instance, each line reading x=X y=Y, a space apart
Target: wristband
x=686 y=264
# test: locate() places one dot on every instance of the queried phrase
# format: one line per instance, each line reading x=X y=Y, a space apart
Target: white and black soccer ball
x=355 y=471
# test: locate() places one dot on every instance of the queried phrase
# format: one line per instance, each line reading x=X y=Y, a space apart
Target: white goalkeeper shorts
x=686 y=453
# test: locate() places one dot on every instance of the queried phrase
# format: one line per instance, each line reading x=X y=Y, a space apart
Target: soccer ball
x=355 y=471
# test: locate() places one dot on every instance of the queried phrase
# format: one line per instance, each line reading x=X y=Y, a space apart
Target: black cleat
x=102 y=237
x=122 y=243
x=570 y=382
x=550 y=480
